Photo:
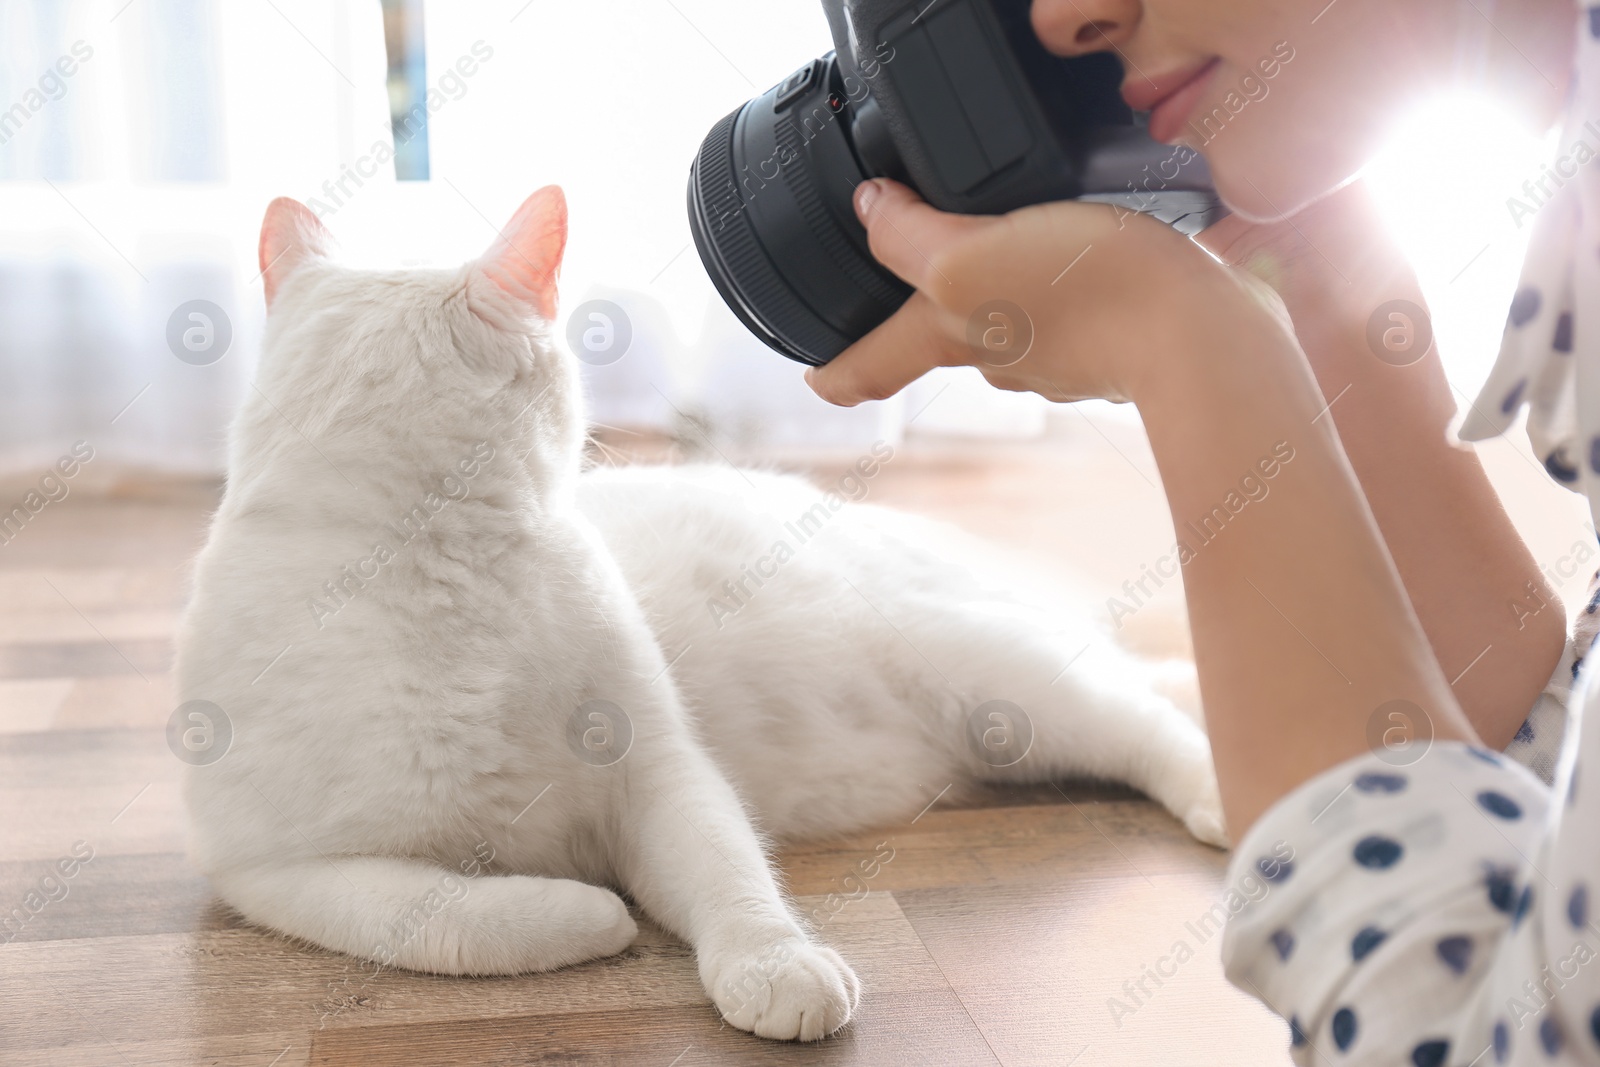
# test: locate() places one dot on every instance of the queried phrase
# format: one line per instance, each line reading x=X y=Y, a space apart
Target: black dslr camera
x=957 y=98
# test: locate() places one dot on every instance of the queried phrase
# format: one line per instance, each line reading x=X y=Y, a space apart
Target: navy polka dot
x=1430 y=1053
x=1557 y=466
x=1524 y=903
x=1380 y=783
x=1594 y=1025
x=1514 y=398
x=1562 y=342
x=1456 y=952
x=1550 y=1035
x=1502 y=1042
x=1524 y=306
x=1502 y=890
x=1283 y=941
x=1297 y=1033
x=1485 y=755
x=1274 y=870
x=1378 y=853
x=1344 y=1028
x=1364 y=942
x=1594 y=457
x=1578 y=907
x=1524 y=733
x=1499 y=804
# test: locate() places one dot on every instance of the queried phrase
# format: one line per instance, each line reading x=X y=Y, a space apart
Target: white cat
x=437 y=643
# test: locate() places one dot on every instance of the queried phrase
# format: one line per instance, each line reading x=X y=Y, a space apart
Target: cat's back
x=699 y=527
x=374 y=655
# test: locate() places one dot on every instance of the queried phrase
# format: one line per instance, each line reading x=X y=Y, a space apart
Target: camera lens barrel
x=961 y=101
x=771 y=214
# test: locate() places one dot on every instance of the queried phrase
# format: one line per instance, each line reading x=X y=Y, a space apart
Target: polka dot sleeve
x=1441 y=914
x=1429 y=915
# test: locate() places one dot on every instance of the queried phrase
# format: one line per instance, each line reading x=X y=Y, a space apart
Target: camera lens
x=770 y=209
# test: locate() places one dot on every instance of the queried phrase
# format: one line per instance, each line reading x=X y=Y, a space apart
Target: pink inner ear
x=290 y=235
x=525 y=261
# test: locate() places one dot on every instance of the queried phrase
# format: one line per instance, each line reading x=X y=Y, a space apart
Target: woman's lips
x=1169 y=99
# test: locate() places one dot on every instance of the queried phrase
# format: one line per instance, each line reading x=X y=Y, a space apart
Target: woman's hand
x=1068 y=300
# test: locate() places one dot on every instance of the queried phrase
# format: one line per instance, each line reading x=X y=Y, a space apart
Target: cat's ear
x=290 y=236
x=525 y=260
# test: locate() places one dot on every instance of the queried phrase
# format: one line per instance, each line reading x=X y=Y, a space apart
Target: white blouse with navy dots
x=1438 y=914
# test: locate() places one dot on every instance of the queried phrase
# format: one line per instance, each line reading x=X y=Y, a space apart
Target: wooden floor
x=998 y=933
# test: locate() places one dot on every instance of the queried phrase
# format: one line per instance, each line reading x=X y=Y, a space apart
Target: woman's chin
x=1268 y=190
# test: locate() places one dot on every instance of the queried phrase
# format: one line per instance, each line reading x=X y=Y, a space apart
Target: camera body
x=957 y=98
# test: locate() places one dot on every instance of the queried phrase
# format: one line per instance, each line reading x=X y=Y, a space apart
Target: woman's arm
x=1302 y=628
x=1464 y=566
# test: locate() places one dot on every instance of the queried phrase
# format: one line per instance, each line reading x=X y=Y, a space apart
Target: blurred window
x=408 y=87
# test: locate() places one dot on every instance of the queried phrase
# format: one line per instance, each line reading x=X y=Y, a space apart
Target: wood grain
x=998 y=934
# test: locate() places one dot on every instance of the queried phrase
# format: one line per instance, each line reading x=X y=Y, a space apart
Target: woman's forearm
x=1493 y=622
x=1495 y=625
x=1302 y=628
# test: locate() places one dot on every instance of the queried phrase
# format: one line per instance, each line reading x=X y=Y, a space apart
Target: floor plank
x=999 y=931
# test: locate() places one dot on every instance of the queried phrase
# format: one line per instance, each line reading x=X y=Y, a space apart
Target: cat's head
x=415 y=363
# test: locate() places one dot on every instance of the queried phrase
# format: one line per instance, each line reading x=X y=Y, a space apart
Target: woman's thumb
x=903 y=231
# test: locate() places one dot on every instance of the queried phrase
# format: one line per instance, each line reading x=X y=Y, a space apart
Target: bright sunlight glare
x=1443 y=182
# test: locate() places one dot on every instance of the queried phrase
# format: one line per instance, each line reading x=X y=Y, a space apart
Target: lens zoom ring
x=714 y=169
x=747 y=266
x=847 y=258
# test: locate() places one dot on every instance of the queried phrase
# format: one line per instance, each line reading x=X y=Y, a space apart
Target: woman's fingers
x=905 y=233
x=909 y=344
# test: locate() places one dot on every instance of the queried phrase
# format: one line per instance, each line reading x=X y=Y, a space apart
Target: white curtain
x=132 y=188
x=612 y=101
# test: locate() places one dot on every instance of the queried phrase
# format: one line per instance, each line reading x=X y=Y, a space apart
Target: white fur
x=399 y=741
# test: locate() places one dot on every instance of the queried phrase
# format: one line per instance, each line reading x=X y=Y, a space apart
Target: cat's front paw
x=786 y=990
